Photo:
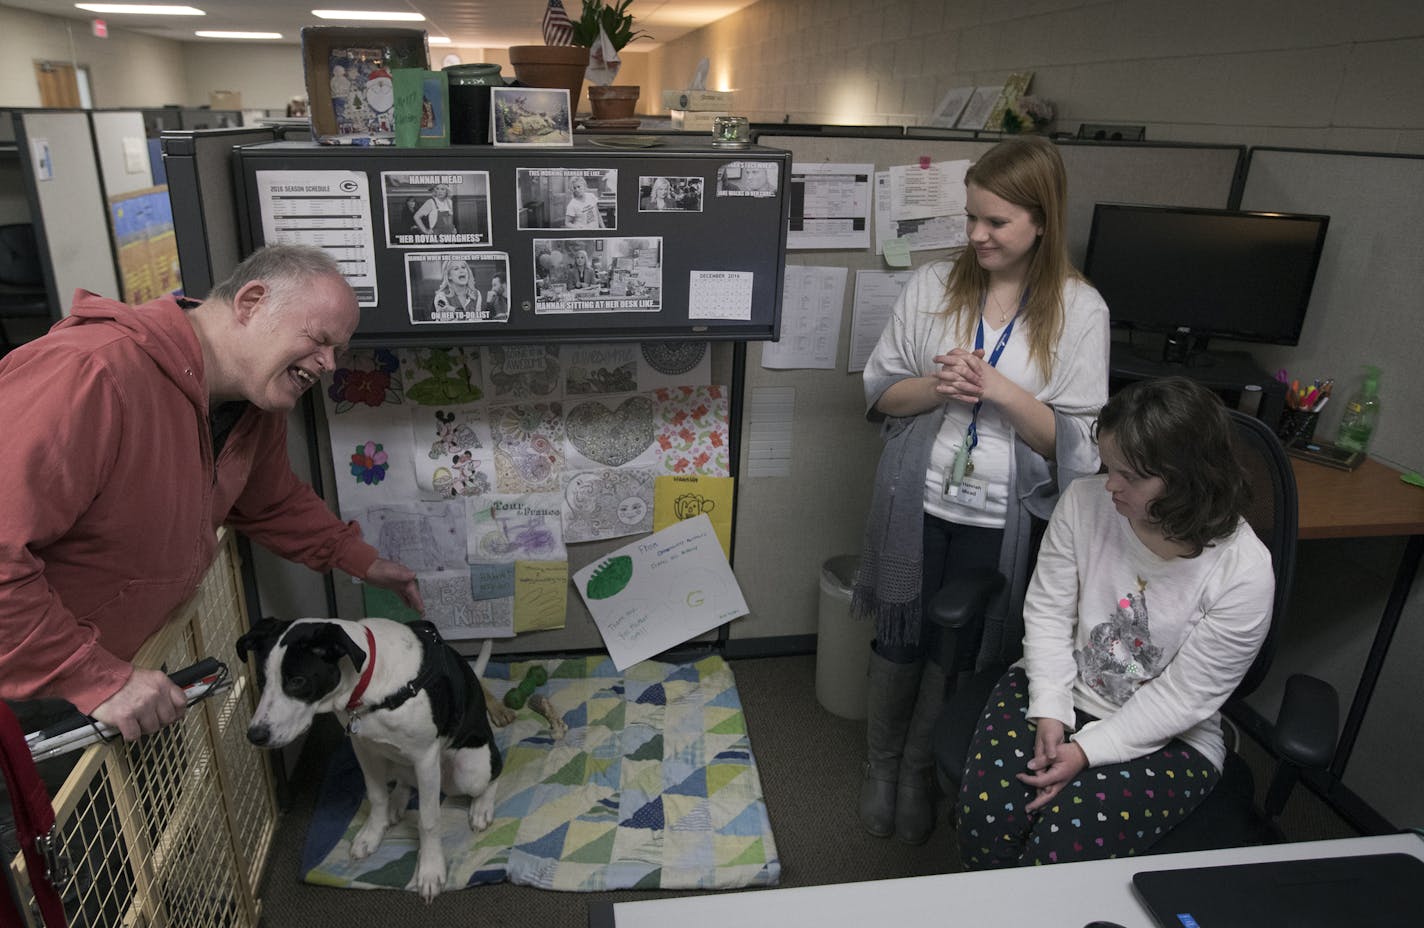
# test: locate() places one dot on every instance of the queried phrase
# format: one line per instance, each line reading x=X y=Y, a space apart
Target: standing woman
x=987 y=378
x=437 y=214
x=582 y=209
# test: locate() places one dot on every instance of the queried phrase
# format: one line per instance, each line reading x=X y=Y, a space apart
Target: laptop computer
x=1368 y=891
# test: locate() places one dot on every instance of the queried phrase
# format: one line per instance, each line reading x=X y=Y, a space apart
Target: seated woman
x=1148 y=604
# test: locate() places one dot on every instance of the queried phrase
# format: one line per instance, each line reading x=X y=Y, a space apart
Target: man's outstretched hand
x=146 y=703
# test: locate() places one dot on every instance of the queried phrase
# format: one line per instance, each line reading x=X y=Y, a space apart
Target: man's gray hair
x=285 y=267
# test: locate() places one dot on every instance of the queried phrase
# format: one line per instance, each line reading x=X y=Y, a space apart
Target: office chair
x=1306 y=726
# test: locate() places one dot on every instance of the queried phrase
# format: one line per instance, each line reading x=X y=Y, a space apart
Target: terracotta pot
x=557 y=66
x=613 y=101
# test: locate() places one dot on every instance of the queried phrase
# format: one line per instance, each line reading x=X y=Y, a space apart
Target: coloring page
x=451 y=605
x=422 y=536
x=692 y=428
x=608 y=504
x=528 y=447
x=591 y=369
x=674 y=364
x=441 y=376
x=505 y=529
x=522 y=372
x=459 y=450
x=609 y=432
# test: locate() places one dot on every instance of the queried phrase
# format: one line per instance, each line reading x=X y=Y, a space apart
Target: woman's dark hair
x=1177 y=429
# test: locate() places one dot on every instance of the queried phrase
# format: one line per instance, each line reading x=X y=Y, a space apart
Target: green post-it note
x=897 y=252
x=384 y=604
x=1413 y=477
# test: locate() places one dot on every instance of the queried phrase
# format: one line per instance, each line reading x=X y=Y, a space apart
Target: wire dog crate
x=174 y=829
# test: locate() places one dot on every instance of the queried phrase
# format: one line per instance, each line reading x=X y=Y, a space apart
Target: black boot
x=915 y=795
x=890 y=700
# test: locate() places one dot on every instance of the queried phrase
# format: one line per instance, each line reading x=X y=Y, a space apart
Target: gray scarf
x=888 y=583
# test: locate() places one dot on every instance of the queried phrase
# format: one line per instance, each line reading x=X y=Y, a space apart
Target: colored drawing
x=611 y=435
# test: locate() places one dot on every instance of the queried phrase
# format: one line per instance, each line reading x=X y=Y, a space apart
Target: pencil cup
x=1296 y=424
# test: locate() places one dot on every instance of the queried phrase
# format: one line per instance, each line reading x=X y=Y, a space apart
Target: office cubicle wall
x=67 y=200
x=1367 y=305
x=788 y=526
x=1366 y=308
x=199 y=164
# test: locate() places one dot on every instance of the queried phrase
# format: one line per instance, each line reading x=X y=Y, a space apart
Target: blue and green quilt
x=653 y=787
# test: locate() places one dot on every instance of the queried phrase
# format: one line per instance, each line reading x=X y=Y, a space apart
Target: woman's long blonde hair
x=1027 y=172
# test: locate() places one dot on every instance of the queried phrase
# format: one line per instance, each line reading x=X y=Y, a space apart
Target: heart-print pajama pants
x=1116 y=810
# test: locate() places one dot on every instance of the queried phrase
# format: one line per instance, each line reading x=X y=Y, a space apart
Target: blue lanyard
x=972 y=434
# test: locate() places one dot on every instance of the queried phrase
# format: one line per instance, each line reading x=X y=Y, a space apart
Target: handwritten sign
x=660 y=591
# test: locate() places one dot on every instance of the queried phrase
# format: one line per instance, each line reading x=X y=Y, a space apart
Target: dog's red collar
x=365 y=680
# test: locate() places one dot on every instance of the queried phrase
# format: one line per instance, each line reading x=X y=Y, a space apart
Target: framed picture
x=531 y=117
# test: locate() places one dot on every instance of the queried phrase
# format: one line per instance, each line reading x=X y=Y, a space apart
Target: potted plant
x=609 y=101
x=556 y=63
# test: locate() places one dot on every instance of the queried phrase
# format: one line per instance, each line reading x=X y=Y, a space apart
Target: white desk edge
x=1067 y=895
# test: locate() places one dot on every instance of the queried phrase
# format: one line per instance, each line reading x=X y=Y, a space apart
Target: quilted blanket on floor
x=653 y=787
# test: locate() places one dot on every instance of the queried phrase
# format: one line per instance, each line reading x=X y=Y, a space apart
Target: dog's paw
x=367 y=840
x=500 y=714
x=482 y=810
x=428 y=880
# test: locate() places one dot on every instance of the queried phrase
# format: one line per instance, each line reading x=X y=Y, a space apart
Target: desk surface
x=1370 y=500
x=1064 y=895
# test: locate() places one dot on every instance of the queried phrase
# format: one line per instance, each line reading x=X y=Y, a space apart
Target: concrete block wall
x=1310 y=73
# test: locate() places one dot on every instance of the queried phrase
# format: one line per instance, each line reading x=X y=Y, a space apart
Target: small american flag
x=557 y=28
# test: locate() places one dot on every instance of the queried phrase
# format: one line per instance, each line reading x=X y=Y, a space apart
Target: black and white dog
x=415 y=711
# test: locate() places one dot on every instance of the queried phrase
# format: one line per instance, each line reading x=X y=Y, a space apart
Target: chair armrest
x=963 y=597
x=1308 y=723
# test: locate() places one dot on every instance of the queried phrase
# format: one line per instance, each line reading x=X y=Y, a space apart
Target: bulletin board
x=699 y=256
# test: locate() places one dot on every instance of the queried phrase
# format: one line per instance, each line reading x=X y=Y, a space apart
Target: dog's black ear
x=261 y=637
x=330 y=642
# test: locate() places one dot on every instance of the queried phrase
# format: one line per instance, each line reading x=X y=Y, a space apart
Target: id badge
x=973 y=493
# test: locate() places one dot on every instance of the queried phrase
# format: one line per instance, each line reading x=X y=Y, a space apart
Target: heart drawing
x=611 y=437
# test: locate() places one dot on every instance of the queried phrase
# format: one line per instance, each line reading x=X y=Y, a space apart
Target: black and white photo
x=662 y=194
x=567 y=198
x=598 y=275
x=747 y=179
x=457 y=287
x=436 y=210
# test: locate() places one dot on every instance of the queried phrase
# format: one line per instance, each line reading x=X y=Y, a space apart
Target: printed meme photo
x=670 y=194
x=436 y=210
x=747 y=179
x=598 y=275
x=531 y=117
x=457 y=287
x=567 y=198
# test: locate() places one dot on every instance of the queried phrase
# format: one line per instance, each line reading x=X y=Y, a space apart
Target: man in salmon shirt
x=129 y=435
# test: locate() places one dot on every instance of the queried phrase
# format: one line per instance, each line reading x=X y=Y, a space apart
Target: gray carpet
x=810 y=764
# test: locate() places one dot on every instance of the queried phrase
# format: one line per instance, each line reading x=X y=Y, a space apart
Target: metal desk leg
x=1394 y=608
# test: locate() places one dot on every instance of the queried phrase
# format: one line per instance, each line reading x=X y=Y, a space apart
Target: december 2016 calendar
x=720 y=295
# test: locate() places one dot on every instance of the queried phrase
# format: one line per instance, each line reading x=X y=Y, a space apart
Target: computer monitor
x=1202 y=273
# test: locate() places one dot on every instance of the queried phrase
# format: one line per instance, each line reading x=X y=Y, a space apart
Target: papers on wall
x=771 y=414
x=830 y=206
x=329 y=209
x=875 y=295
x=660 y=591
x=811 y=306
x=924 y=192
x=679 y=498
x=936 y=232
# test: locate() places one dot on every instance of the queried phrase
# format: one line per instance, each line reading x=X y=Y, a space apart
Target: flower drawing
x=369 y=463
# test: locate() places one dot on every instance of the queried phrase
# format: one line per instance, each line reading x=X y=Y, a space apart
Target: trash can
x=842 y=642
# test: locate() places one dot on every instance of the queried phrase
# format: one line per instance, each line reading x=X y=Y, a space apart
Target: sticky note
x=897 y=252
x=540 y=594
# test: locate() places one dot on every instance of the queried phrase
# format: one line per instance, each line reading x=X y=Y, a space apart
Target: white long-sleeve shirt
x=1151 y=646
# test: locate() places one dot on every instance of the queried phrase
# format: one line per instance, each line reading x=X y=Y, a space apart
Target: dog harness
x=446 y=679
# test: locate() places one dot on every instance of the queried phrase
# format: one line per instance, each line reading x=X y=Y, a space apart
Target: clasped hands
x=1055 y=762
x=965 y=376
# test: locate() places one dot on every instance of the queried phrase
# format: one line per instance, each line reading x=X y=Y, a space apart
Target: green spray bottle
x=1357 y=426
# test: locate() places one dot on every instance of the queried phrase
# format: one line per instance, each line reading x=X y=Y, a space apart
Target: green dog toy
x=534 y=678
